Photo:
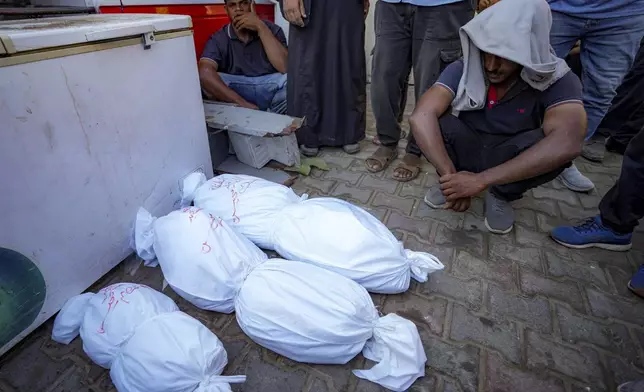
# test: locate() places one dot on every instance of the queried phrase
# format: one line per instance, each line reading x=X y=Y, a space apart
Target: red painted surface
x=206 y=19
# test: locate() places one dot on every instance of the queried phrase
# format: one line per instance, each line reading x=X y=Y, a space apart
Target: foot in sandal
x=381 y=159
x=408 y=169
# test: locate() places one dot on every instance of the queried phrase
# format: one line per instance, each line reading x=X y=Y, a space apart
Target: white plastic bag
x=145 y=341
x=328 y=232
x=296 y=309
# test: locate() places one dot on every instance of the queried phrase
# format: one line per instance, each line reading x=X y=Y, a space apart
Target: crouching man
x=245 y=62
x=520 y=115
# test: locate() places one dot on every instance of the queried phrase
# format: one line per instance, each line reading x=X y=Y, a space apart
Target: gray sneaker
x=435 y=198
x=575 y=181
x=499 y=214
x=593 y=150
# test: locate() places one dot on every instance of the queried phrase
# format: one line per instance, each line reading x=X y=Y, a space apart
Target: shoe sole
x=574 y=188
x=434 y=206
x=613 y=247
x=496 y=231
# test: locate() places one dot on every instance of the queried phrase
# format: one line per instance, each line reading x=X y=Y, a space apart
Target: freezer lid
x=33 y=34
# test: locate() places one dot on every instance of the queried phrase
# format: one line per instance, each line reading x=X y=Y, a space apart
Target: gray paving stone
x=604 y=258
x=419 y=227
x=546 y=223
x=621 y=371
x=526 y=217
x=620 y=279
x=569 y=293
x=345 y=176
x=446 y=285
x=539 y=205
x=590 y=201
x=400 y=204
x=408 y=189
x=379 y=213
x=383 y=185
x=460 y=362
x=343 y=162
x=338 y=376
x=533 y=311
x=471 y=241
x=576 y=214
x=610 y=336
x=425 y=384
x=504 y=377
x=498 y=335
x=72 y=380
x=453 y=220
x=536 y=239
x=606 y=305
x=502 y=272
x=268 y=377
x=324 y=186
x=565 y=196
x=587 y=272
x=582 y=364
x=501 y=250
x=424 y=312
x=443 y=253
x=351 y=193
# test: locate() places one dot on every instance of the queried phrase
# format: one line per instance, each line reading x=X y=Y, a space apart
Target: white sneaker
x=575 y=181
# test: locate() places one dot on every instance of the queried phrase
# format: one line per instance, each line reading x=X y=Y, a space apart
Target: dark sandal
x=411 y=163
x=383 y=156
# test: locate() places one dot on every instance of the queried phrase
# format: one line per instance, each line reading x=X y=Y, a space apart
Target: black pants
x=625 y=118
x=475 y=152
x=623 y=206
x=423 y=37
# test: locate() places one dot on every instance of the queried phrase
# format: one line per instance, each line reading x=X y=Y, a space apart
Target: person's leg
x=278 y=100
x=608 y=48
x=463 y=146
x=390 y=68
x=565 y=32
x=620 y=209
x=258 y=90
x=499 y=214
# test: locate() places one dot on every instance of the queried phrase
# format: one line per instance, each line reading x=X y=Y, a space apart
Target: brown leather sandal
x=381 y=159
x=410 y=163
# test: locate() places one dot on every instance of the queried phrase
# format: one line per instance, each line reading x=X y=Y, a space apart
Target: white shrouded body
x=328 y=232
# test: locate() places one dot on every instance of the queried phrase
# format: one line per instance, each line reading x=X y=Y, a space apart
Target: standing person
x=410 y=34
x=610 y=32
x=626 y=115
x=619 y=211
x=245 y=61
x=327 y=72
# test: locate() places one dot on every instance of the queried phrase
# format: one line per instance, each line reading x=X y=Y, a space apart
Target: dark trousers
x=409 y=36
x=623 y=206
x=475 y=152
x=626 y=115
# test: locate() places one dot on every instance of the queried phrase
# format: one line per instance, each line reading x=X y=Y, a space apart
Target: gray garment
x=425 y=38
x=327 y=75
x=517 y=30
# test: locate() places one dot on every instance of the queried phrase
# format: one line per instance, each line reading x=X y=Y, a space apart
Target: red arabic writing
x=114 y=295
x=236 y=187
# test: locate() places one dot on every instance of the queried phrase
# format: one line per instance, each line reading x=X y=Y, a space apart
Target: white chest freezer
x=99 y=114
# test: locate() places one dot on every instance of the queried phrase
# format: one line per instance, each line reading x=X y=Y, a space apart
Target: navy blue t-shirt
x=235 y=57
x=521 y=109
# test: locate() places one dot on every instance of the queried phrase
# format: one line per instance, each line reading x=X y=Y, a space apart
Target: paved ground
x=509 y=313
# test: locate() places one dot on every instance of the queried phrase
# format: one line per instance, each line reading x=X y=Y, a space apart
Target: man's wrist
x=485 y=178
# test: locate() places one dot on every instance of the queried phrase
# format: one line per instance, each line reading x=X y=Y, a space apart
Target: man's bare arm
x=564 y=127
x=276 y=52
x=215 y=87
x=425 y=127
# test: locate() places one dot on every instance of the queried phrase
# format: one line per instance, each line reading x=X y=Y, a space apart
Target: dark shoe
x=593 y=150
x=631 y=386
x=591 y=233
x=614 y=146
x=351 y=148
x=636 y=284
x=499 y=214
x=309 y=151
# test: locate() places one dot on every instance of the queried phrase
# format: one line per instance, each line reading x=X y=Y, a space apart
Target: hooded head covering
x=517 y=30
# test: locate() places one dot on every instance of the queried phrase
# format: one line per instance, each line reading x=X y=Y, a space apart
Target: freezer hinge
x=148 y=39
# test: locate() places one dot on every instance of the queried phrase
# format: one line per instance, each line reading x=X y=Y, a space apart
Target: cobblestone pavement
x=509 y=313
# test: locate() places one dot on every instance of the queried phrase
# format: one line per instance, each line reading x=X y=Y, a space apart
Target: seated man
x=521 y=119
x=245 y=61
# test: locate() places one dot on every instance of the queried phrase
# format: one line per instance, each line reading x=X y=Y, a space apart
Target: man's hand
x=248 y=105
x=249 y=21
x=461 y=185
x=459 y=205
x=294 y=12
x=366 y=8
